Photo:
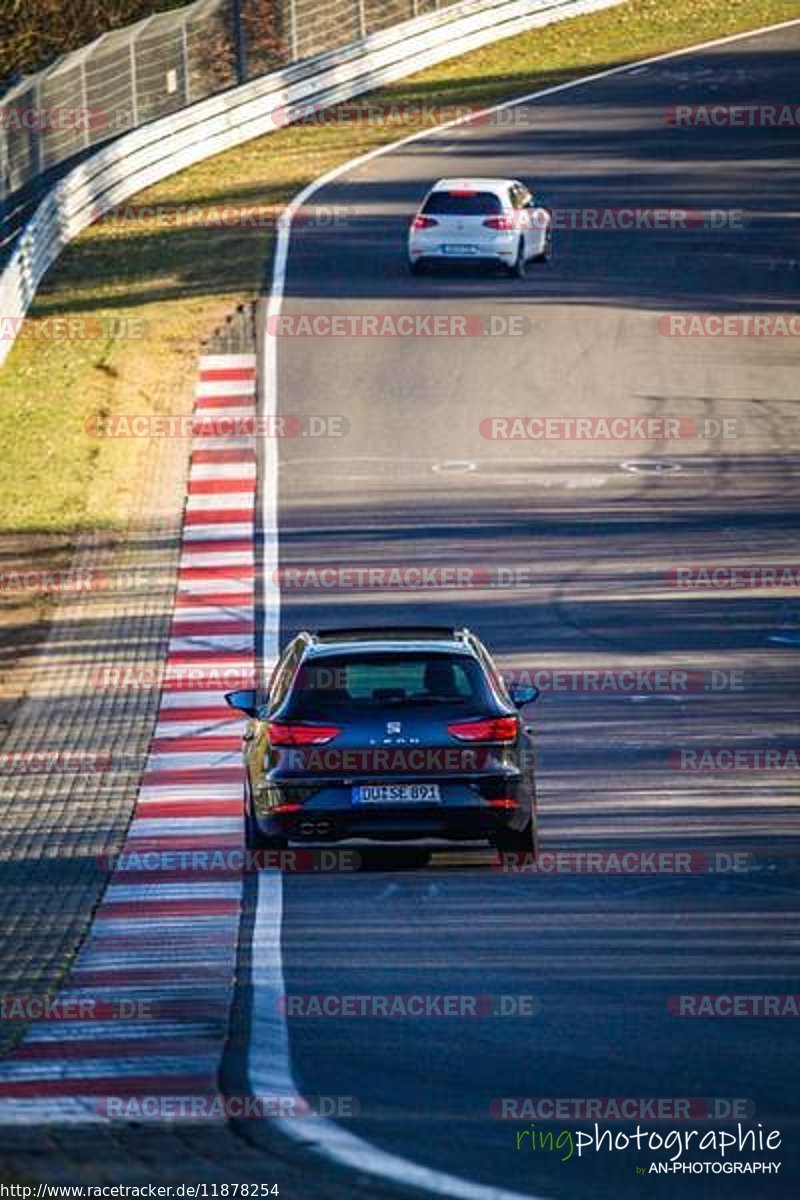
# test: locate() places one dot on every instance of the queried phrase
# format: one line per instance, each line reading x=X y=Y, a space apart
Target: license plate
x=460 y=249
x=397 y=793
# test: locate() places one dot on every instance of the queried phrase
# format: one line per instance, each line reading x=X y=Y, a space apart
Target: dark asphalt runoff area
x=592 y=530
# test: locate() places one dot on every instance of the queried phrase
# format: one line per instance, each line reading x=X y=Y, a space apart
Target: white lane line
x=269 y=1063
x=270 y=1072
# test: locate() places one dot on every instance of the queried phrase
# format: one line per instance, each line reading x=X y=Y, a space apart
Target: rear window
x=463 y=204
x=366 y=683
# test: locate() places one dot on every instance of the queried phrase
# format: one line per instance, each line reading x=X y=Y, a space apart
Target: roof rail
x=386 y=632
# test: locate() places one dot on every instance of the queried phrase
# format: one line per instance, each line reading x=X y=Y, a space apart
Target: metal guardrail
x=161 y=64
x=151 y=152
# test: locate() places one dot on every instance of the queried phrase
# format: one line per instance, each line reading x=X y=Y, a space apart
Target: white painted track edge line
x=320 y=1136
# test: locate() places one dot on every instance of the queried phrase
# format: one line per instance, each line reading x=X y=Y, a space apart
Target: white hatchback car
x=480 y=220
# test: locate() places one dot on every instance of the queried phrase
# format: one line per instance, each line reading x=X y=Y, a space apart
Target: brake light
x=504 y=802
x=499 y=222
x=423 y=222
x=462 y=192
x=281 y=734
x=487 y=729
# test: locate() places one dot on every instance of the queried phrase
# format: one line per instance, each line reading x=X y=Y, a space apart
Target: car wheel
x=518 y=269
x=254 y=839
x=516 y=841
x=547 y=252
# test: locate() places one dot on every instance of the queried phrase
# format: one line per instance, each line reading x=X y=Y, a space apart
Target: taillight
x=499 y=222
x=487 y=729
x=423 y=223
x=281 y=734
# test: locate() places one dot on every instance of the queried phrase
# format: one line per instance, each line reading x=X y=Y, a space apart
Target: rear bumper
x=326 y=812
x=392 y=825
x=502 y=248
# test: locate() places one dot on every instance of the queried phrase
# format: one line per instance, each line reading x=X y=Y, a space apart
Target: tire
x=516 y=841
x=519 y=268
x=254 y=839
x=547 y=253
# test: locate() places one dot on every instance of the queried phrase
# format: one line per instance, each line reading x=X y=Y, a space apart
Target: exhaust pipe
x=309 y=828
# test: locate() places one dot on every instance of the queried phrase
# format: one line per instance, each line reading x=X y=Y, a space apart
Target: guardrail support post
x=362 y=19
x=293 y=39
x=134 y=98
x=238 y=41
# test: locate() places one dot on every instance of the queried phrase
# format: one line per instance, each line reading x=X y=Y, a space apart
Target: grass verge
x=174 y=285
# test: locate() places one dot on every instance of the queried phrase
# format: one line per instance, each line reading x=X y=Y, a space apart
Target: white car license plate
x=397 y=793
x=460 y=249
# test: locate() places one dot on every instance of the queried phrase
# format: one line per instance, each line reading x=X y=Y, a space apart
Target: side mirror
x=243 y=701
x=522 y=694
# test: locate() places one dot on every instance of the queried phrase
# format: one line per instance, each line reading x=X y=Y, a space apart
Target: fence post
x=87 y=138
x=362 y=19
x=187 y=91
x=134 y=97
x=238 y=41
x=36 y=140
x=293 y=38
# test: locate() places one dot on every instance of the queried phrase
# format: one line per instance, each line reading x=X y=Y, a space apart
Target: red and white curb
x=156 y=973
